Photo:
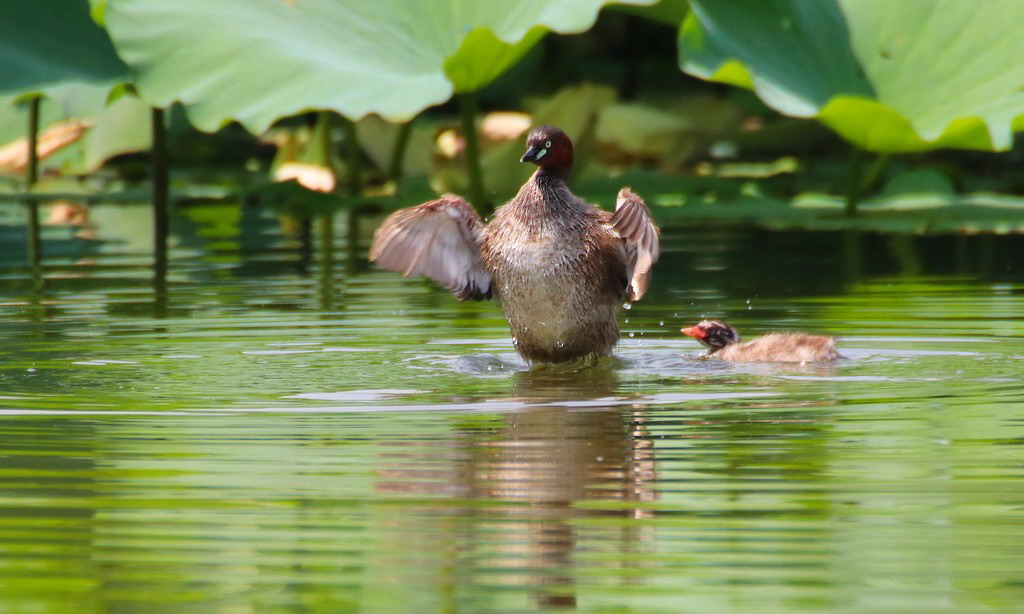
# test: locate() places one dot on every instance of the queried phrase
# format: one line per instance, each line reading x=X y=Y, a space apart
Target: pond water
x=285 y=429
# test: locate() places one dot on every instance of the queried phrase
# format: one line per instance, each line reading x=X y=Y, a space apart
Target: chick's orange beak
x=694 y=331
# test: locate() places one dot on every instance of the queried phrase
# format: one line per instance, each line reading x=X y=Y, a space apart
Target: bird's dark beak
x=532 y=154
x=694 y=332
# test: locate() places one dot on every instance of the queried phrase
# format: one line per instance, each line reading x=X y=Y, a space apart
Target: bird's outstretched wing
x=639 y=239
x=439 y=239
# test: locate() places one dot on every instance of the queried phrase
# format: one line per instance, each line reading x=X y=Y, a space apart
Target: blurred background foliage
x=778 y=112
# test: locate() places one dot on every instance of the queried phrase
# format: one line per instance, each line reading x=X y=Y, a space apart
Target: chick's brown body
x=782 y=347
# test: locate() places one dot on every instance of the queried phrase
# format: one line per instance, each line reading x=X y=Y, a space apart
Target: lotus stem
x=854 y=181
x=353 y=159
x=35 y=252
x=159 y=177
x=875 y=171
x=860 y=181
x=468 y=111
x=398 y=150
x=320 y=151
x=853 y=252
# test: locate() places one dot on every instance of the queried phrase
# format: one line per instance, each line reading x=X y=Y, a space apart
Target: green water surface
x=284 y=430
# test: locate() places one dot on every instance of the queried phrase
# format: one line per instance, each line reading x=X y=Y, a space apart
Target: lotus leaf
x=888 y=76
x=123 y=127
x=235 y=59
x=48 y=43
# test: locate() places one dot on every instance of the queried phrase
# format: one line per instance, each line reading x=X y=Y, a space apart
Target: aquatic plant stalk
x=31 y=175
x=353 y=159
x=468 y=111
x=860 y=181
x=159 y=178
x=875 y=172
x=853 y=180
x=398 y=150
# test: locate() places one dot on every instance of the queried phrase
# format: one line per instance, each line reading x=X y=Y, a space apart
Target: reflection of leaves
x=294 y=198
x=868 y=68
x=391 y=57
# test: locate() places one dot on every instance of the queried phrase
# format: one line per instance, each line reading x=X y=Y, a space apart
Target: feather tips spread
x=633 y=224
x=440 y=240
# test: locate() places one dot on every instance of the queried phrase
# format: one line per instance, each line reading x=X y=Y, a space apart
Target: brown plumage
x=723 y=342
x=559 y=265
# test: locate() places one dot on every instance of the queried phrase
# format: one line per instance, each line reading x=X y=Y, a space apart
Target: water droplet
x=661 y=323
x=631 y=335
x=31 y=370
x=627 y=305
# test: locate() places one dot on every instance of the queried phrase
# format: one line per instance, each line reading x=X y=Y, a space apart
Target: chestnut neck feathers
x=551 y=150
x=545 y=200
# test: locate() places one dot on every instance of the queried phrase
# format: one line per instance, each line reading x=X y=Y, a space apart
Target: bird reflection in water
x=536 y=466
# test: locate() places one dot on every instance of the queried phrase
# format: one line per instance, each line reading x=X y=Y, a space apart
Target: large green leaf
x=259 y=61
x=47 y=43
x=888 y=76
x=125 y=126
x=54 y=48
